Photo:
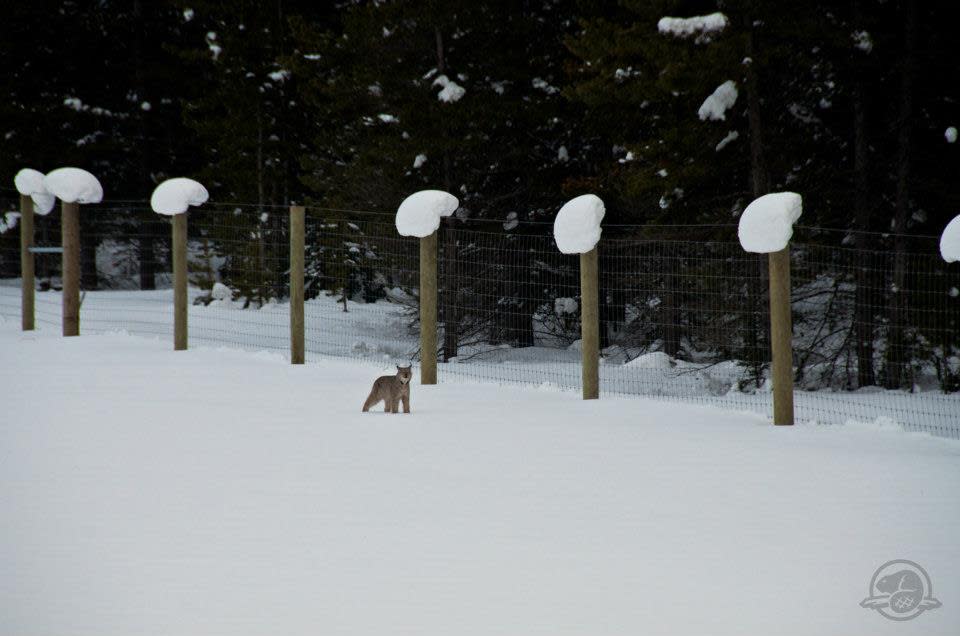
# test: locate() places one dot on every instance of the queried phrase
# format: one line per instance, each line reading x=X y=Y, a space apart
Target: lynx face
x=404 y=374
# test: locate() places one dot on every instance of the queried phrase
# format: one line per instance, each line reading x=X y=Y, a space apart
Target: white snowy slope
x=950 y=241
x=420 y=213
x=767 y=223
x=698 y=25
x=716 y=105
x=174 y=196
x=29 y=182
x=577 y=226
x=219 y=492
x=73 y=185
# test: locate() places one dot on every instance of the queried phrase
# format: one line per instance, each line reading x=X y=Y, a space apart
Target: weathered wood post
x=576 y=230
x=179 y=247
x=297 y=230
x=27 y=284
x=70 y=269
x=428 y=309
x=72 y=186
x=172 y=198
x=766 y=226
x=781 y=337
x=419 y=215
x=590 y=324
x=34 y=199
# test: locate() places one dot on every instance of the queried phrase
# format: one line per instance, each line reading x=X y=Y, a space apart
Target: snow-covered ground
x=218 y=491
x=381 y=332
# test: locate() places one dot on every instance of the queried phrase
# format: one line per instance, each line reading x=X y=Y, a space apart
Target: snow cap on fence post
x=767 y=224
x=73 y=185
x=174 y=196
x=577 y=226
x=950 y=241
x=420 y=213
x=29 y=183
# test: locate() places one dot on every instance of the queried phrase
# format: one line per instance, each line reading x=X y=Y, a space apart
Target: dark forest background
x=336 y=103
x=276 y=101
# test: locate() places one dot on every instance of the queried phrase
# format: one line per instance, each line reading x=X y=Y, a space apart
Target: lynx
x=391 y=389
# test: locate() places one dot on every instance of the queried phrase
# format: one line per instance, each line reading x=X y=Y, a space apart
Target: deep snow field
x=217 y=491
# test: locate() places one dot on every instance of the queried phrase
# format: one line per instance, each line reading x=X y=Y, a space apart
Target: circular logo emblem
x=900 y=590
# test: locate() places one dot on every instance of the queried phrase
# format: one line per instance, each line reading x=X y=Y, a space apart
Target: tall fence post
x=180 y=282
x=70 y=231
x=781 y=337
x=27 y=285
x=428 y=309
x=297 y=222
x=590 y=323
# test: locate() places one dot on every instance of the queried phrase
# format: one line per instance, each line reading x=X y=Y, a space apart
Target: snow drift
x=174 y=196
x=74 y=185
x=420 y=213
x=577 y=226
x=29 y=182
x=767 y=223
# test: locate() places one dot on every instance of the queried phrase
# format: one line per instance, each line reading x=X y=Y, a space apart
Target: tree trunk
x=759 y=185
x=449 y=251
x=862 y=207
x=897 y=359
x=147 y=226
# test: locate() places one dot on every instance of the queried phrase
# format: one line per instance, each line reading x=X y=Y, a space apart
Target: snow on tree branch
x=702 y=26
x=715 y=106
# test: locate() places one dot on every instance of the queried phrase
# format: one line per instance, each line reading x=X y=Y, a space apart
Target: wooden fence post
x=70 y=236
x=590 y=324
x=27 y=284
x=781 y=337
x=428 y=309
x=180 y=282
x=297 y=222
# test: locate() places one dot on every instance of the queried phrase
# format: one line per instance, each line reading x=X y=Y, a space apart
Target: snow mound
x=723 y=97
x=174 y=196
x=577 y=226
x=703 y=26
x=29 y=183
x=950 y=241
x=74 y=185
x=767 y=223
x=653 y=360
x=221 y=292
x=420 y=213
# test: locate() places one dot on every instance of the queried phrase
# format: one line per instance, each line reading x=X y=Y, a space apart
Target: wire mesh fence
x=684 y=310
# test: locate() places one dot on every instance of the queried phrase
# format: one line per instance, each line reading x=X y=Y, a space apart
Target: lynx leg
x=371 y=400
x=394 y=405
x=406 y=403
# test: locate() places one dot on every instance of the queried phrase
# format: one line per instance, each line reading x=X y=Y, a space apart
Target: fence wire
x=684 y=310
